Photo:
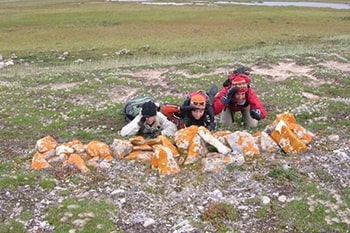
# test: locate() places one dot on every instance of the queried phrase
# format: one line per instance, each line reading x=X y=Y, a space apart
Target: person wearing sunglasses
x=238 y=97
x=195 y=110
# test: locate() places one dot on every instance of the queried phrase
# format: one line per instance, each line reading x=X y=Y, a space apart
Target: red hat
x=240 y=83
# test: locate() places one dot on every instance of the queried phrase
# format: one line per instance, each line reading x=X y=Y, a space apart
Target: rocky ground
x=147 y=202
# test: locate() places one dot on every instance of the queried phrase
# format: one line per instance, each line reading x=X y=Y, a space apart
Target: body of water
x=296 y=4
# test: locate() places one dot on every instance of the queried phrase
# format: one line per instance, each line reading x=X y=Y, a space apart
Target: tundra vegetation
x=76 y=62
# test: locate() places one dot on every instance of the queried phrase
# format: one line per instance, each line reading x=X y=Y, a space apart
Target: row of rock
x=189 y=145
x=215 y=150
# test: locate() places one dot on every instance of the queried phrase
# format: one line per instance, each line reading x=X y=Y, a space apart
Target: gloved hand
x=241 y=70
x=227 y=83
x=150 y=132
x=142 y=121
x=211 y=126
x=255 y=114
x=187 y=108
x=227 y=98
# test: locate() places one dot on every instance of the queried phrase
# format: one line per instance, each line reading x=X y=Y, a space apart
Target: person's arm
x=210 y=112
x=170 y=110
x=168 y=127
x=131 y=128
x=218 y=105
x=255 y=103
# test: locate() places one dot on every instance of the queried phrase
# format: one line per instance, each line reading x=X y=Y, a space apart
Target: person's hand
x=187 y=108
x=255 y=114
x=227 y=83
x=142 y=121
x=150 y=132
x=227 y=98
x=241 y=70
x=211 y=126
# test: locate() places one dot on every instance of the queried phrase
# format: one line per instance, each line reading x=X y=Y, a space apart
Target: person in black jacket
x=195 y=110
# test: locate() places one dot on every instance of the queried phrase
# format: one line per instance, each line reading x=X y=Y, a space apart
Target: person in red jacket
x=238 y=97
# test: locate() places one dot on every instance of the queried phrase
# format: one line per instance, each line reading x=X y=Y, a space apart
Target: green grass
x=83 y=215
x=218 y=214
x=90 y=30
x=13 y=177
x=309 y=212
x=42 y=95
x=12 y=226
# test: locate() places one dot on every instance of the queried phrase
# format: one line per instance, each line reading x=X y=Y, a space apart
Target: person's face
x=240 y=98
x=150 y=120
x=197 y=113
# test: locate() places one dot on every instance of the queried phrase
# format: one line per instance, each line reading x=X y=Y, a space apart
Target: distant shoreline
x=255 y=3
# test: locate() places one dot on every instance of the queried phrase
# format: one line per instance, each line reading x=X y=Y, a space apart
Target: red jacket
x=251 y=99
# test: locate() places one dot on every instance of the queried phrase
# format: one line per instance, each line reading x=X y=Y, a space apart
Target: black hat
x=149 y=109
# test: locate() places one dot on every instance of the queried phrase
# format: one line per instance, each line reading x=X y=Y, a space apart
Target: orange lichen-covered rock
x=99 y=163
x=268 y=144
x=85 y=156
x=45 y=144
x=242 y=141
x=183 y=137
x=140 y=156
x=215 y=161
x=99 y=149
x=163 y=161
x=167 y=143
x=77 y=145
x=190 y=143
x=39 y=161
x=63 y=149
x=221 y=135
x=286 y=117
x=78 y=162
x=195 y=150
x=289 y=119
x=139 y=140
x=121 y=148
x=304 y=135
x=287 y=139
x=191 y=140
x=210 y=139
x=144 y=147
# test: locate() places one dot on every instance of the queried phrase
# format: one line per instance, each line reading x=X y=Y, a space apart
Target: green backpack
x=133 y=106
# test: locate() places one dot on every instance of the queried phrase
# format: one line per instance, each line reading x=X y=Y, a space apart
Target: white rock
x=265 y=200
x=216 y=194
x=282 y=198
x=310 y=96
x=148 y=222
x=333 y=138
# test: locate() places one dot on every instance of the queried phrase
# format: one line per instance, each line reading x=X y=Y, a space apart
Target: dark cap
x=149 y=109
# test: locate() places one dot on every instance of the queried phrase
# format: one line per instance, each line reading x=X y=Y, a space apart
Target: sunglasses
x=198 y=110
x=198 y=103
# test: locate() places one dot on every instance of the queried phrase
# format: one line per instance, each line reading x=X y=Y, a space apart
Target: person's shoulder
x=251 y=90
x=160 y=115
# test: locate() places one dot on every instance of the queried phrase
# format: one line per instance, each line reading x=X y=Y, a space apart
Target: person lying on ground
x=149 y=123
x=196 y=110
